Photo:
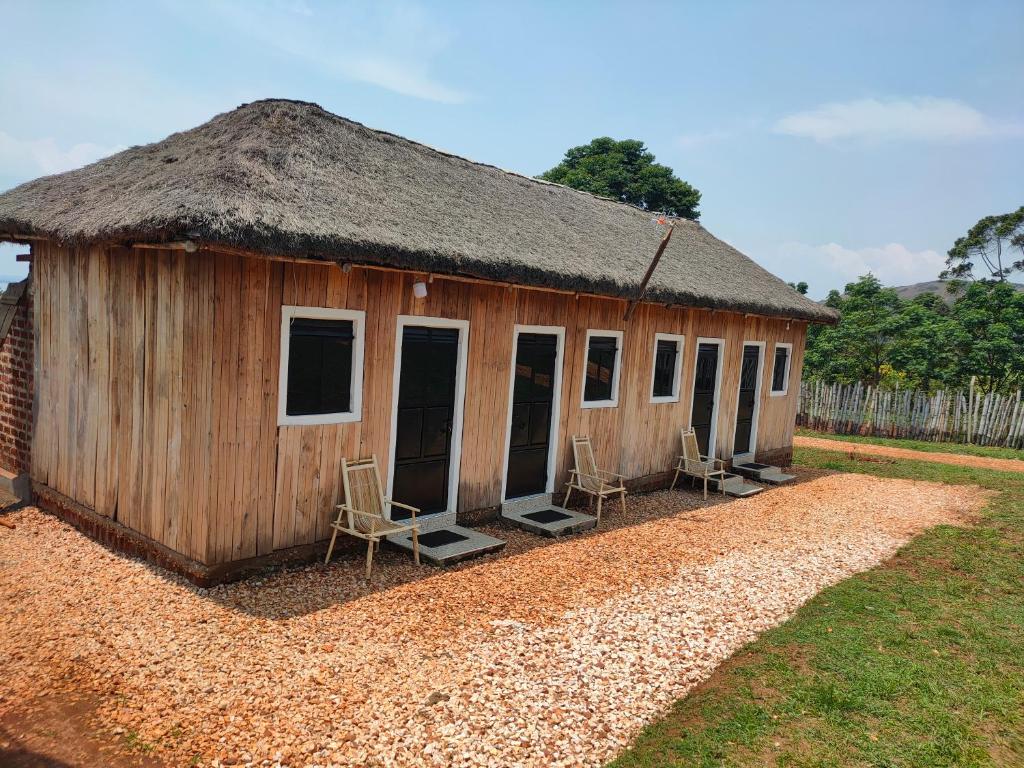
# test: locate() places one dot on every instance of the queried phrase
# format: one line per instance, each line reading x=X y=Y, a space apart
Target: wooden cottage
x=224 y=315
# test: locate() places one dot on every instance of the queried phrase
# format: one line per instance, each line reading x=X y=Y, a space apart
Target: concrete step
x=537 y=514
x=444 y=546
x=764 y=473
x=735 y=485
x=15 y=485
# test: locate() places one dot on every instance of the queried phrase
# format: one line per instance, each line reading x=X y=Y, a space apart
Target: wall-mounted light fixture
x=419 y=289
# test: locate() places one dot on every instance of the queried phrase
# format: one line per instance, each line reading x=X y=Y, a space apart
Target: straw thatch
x=288 y=178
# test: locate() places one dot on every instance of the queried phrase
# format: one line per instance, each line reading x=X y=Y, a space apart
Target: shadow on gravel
x=289 y=592
x=22 y=758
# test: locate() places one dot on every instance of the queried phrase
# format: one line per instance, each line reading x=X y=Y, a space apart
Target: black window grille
x=601 y=353
x=319 y=366
x=779 y=372
x=665 y=355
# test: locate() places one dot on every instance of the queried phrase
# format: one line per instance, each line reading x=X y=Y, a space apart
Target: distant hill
x=908 y=292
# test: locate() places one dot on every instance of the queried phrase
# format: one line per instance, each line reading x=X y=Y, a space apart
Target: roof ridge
x=454 y=156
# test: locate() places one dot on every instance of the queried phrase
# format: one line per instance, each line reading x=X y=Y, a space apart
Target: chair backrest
x=583 y=453
x=691 y=451
x=363 y=491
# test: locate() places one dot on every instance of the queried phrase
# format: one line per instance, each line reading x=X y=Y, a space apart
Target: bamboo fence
x=958 y=417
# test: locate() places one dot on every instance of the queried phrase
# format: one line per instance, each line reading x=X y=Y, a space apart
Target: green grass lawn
x=990 y=451
x=919 y=662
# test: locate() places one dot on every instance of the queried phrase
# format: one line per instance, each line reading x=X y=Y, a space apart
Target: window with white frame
x=321 y=372
x=601 y=374
x=780 y=371
x=666 y=368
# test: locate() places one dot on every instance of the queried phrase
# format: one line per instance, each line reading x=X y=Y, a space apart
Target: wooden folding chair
x=695 y=465
x=595 y=482
x=366 y=512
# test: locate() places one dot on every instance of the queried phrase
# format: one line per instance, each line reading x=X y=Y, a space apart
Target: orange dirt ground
x=554 y=655
x=983 y=462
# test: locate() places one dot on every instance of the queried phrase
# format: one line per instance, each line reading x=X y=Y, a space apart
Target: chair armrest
x=601 y=481
x=352 y=512
x=713 y=461
x=412 y=510
x=394 y=503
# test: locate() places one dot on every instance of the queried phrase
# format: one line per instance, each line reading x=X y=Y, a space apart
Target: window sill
x=318 y=419
x=783 y=393
x=600 y=404
x=664 y=399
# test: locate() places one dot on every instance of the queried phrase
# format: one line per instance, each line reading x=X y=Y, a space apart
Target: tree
x=922 y=350
x=858 y=347
x=800 y=287
x=988 y=336
x=626 y=171
x=995 y=246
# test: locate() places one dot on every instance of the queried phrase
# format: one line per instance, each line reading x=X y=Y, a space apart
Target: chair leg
x=622 y=498
x=705 y=487
x=721 y=483
x=674 y=480
x=599 y=500
x=415 y=547
x=369 y=559
x=568 y=491
x=330 y=548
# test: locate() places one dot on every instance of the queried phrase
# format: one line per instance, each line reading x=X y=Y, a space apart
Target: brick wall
x=16 y=390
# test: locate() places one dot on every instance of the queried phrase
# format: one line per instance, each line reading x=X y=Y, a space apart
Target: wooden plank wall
x=158 y=387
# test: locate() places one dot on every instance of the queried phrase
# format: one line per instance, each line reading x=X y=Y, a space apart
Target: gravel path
x=1006 y=465
x=552 y=656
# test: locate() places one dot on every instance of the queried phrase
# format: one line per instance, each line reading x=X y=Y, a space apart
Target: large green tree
x=860 y=345
x=988 y=336
x=992 y=249
x=923 y=343
x=626 y=171
x=922 y=353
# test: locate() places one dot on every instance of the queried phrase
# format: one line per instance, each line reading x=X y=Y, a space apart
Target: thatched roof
x=289 y=178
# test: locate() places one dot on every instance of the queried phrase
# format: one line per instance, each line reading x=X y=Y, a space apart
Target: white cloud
x=874 y=120
x=32 y=157
x=893 y=264
x=390 y=45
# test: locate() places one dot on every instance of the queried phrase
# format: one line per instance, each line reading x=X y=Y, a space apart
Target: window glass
x=779 y=372
x=665 y=354
x=319 y=366
x=601 y=354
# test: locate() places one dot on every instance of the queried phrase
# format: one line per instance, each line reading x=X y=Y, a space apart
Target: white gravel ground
x=555 y=656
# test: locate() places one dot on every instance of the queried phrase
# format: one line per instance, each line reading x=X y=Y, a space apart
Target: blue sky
x=828 y=138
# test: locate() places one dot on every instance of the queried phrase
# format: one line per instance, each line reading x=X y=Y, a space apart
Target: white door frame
x=455 y=449
x=720 y=343
x=558 y=332
x=751 y=454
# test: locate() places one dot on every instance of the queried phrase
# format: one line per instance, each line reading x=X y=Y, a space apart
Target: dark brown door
x=704 y=381
x=426 y=411
x=532 y=398
x=748 y=399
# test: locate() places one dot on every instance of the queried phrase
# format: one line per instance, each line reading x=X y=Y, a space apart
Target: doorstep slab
x=537 y=514
x=764 y=473
x=735 y=486
x=18 y=486
x=444 y=546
